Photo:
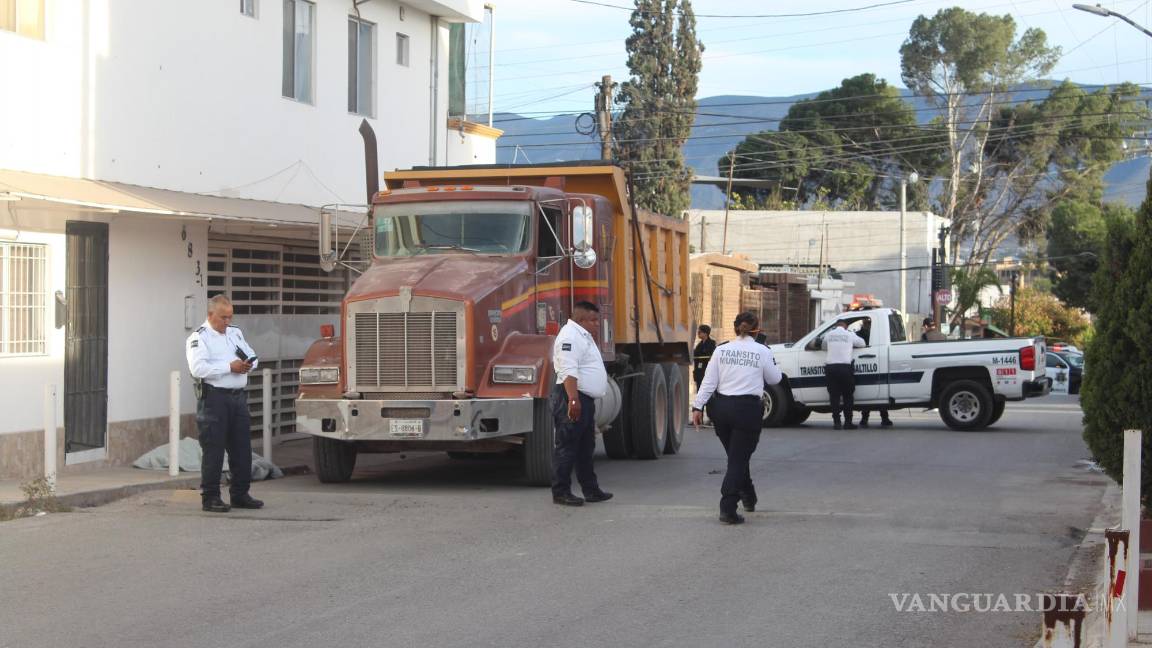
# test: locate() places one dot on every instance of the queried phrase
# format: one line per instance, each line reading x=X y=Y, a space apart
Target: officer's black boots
x=731 y=518
x=247 y=502
x=597 y=496
x=215 y=505
x=749 y=504
x=568 y=499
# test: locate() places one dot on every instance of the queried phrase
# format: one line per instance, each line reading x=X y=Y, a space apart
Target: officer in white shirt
x=839 y=371
x=220 y=358
x=732 y=389
x=580 y=379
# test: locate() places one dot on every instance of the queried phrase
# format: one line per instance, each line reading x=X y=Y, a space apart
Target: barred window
x=23 y=269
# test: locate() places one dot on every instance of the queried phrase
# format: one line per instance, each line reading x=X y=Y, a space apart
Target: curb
x=94 y=498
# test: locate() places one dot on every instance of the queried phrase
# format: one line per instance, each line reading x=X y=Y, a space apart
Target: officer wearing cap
x=840 y=372
x=580 y=379
x=220 y=359
x=732 y=389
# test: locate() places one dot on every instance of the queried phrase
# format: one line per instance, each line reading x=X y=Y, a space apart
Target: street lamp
x=910 y=178
x=1108 y=13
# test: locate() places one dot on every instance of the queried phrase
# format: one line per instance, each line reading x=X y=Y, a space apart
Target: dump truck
x=445 y=341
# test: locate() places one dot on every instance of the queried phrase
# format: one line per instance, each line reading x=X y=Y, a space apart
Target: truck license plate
x=406 y=428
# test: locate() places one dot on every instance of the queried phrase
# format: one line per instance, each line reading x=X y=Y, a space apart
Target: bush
x=1041 y=313
x=1117 y=390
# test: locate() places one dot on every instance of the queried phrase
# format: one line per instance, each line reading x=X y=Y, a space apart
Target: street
x=430 y=551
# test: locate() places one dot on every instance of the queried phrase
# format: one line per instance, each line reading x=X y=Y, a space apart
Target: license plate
x=406 y=428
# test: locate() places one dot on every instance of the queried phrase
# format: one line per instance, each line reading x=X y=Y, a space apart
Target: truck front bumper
x=1042 y=386
x=414 y=420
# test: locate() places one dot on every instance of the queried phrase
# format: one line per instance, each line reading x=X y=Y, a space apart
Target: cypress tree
x=1117 y=390
x=659 y=103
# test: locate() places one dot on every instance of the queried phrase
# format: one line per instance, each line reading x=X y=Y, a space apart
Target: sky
x=549 y=53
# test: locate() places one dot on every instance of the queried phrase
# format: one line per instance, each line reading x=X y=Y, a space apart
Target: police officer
x=219 y=356
x=732 y=389
x=840 y=373
x=702 y=353
x=580 y=378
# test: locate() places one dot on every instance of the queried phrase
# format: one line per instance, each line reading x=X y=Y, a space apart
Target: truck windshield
x=451 y=227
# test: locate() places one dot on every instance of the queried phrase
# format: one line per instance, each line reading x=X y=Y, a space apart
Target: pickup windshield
x=451 y=227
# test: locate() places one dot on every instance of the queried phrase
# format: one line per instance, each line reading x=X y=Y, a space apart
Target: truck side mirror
x=583 y=255
x=328 y=255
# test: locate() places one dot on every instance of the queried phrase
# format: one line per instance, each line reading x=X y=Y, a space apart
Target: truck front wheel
x=775 y=405
x=966 y=405
x=334 y=459
x=538 y=445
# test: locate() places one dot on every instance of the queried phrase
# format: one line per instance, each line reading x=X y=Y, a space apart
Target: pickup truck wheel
x=617 y=439
x=776 y=406
x=997 y=411
x=676 y=376
x=538 y=445
x=797 y=414
x=334 y=459
x=649 y=412
x=966 y=405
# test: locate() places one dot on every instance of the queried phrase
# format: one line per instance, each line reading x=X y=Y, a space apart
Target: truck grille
x=406 y=350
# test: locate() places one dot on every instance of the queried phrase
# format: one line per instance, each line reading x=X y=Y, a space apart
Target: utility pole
x=728 y=200
x=604 y=115
x=1015 y=280
x=702 y=245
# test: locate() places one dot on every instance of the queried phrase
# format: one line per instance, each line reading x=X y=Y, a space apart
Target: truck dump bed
x=649 y=281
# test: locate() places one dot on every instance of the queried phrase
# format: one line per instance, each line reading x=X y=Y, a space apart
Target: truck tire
x=776 y=406
x=649 y=412
x=538 y=445
x=797 y=414
x=997 y=411
x=966 y=405
x=334 y=459
x=676 y=376
x=617 y=439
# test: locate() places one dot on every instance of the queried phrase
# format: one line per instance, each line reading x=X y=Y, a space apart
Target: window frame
x=290 y=55
x=403 y=50
x=38 y=28
x=249 y=8
x=37 y=298
x=354 y=107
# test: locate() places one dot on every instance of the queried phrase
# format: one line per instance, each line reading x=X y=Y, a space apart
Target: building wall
x=187 y=96
x=853 y=242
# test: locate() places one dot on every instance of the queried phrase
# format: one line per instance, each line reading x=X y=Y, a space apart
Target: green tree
x=1117 y=391
x=1041 y=313
x=853 y=143
x=659 y=103
x=1077 y=237
x=967 y=287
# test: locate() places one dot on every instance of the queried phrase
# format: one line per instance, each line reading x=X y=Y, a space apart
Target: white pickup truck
x=968 y=380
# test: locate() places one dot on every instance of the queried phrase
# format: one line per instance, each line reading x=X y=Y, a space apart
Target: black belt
x=749 y=396
x=233 y=392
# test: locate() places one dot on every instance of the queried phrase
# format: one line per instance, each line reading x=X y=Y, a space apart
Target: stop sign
x=944 y=296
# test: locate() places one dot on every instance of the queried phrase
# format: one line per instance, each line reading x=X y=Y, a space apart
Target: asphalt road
x=429 y=551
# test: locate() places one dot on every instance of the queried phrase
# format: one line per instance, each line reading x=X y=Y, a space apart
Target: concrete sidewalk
x=104 y=485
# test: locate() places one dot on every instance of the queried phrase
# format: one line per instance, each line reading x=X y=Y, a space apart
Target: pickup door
x=809 y=384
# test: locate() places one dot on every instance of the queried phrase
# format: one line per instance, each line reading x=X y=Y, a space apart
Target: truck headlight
x=319 y=375
x=513 y=374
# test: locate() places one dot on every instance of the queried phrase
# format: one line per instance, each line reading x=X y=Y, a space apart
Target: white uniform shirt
x=839 y=342
x=574 y=354
x=738 y=368
x=210 y=355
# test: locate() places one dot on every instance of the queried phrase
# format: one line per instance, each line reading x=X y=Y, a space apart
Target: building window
x=248 y=8
x=22 y=298
x=361 y=66
x=25 y=17
x=299 y=23
x=402 y=49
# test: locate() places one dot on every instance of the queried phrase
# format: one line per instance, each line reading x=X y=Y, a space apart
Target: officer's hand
x=697 y=417
x=574 y=410
x=240 y=367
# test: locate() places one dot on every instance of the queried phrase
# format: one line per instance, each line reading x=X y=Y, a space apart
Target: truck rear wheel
x=677 y=377
x=776 y=404
x=334 y=459
x=997 y=411
x=649 y=412
x=966 y=405
x=538 y=445
x=617 y=439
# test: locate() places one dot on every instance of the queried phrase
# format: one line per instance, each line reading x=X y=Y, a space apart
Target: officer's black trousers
x=224 y=424
x=574 y=444
x=737 y=420
x=841 y=388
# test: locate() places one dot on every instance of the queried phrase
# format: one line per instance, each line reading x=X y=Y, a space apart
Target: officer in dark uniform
x=732 y=389
x=220 y=359
x=702 y=353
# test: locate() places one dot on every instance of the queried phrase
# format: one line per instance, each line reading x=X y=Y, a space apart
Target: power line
x=792 y=15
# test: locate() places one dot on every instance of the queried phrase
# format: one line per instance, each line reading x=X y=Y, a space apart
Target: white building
x=864 y=247
x=154 y=153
